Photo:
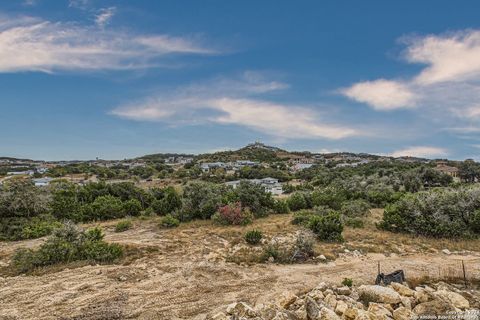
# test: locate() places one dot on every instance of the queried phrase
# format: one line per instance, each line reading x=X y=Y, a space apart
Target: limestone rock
x=331 y=301
x=402 y=290
x=288 y=298
x=327 y=314
x=402 y=313
x=434 y=307
x=379 y=294
x=341 y=307
x=344 y=291
x=241 y=309
x=312 y=308
x=379 y=311
x=457 y=300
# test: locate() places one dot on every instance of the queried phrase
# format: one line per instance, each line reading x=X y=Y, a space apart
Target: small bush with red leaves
x=233 y=214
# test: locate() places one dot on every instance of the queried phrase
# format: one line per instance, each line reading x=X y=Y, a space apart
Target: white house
x=269 y=184
x=42 y=182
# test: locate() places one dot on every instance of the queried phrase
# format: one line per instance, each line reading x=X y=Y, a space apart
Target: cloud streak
x=236 y=102
x=420 y=152
x=31 y=44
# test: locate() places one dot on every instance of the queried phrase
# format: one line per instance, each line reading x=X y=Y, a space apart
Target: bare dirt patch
x=183 y=273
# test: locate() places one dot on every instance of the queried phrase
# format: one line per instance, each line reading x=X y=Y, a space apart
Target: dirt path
x=183 y=275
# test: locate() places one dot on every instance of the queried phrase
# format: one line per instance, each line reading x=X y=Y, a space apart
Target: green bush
x=168 y=221
x=123 y=225
x=328 y=227
x=104 y=208
x=355 y=208
x=201 y=200
x=331 y=197
x=132 y=207
x=347 y=282
x=253 y=196
x=66 y=244
x=449 y=213
x=281 y=207
x=297 y=201
x=168 y=200
x=302 y=217
x=354 y=222
x=253 y=237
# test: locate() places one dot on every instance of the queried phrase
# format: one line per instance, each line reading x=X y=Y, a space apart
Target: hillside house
x=443 y=167
x=270 y=185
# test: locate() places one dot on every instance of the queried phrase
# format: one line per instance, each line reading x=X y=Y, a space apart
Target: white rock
x=327 y=314
x=402 y=290
x=446 y=251
x=379 y=294
x=457 y=300
x=341 y=307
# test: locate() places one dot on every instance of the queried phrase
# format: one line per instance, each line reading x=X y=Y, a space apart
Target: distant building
x=270 y=185
x=207 y=166
x=42 y=182
x=444 y=168
x=301 y=166
x=21 y=173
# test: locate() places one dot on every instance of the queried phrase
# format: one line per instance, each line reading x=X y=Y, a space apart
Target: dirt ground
x=184 y=273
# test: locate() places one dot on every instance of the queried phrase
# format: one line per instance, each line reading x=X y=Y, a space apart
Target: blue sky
x=81 y=79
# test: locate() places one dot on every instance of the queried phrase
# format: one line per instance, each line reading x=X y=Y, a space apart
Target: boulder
x=421 y=295
x=219 y=316
x=446 y=251
x=379 y=311
x=433 y=307
x=402 y=290
x=288 y=298
x=379 y=294
x=331 y=301
x=327 y=314
x=350 y=313
x=341 y=307
x=402 y=313
x=407 y=302
x=455 y=299
x=241 y=309
x=344 y=291
x=312 y=308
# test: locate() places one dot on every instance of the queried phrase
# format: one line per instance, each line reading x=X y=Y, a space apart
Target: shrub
x=331 y=197
x=354 y=222
x=104 y=208
x=303 y=248
x=253 y=237
x=450 y=213
x=253 y=196
x=302 y=217
x=327 y=227
x=281 y=206
x=347 y=282
x=169 y=201
x=123 y=225
x=168 y=221
x=355 y=208
x=297 y=201
x=201 y=200
x=66 y=244
x=132 y=207
x=233 y=214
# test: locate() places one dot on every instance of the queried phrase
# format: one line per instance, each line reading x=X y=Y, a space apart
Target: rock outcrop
x=325 y=302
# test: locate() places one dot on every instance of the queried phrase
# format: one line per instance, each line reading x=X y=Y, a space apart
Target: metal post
x=464 y=274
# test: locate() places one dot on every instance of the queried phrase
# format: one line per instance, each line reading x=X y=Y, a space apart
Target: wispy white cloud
x=445 y=92
x=382 y=94
x=79 y=4
x=31 y=44
x=421 y=152
x=104 y=16
x=30 y=3
x=235 y=102
x=449 y=57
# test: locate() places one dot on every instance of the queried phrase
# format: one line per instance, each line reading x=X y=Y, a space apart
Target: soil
x=184 y=273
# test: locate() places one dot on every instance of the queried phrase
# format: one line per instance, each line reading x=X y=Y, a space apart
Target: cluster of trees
x=445 y=212
x=28 y=212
